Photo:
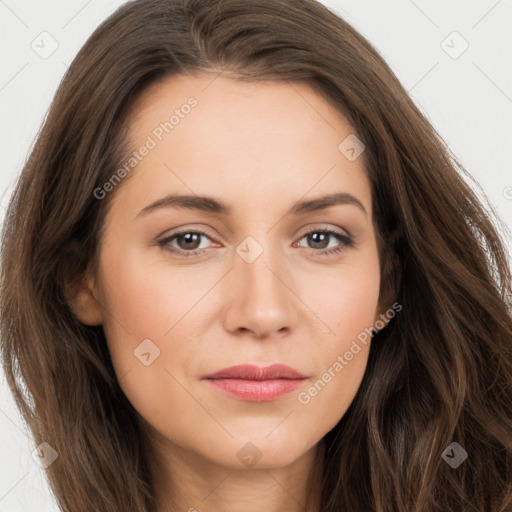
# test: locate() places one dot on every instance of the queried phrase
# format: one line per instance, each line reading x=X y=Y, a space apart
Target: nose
x=260 y=297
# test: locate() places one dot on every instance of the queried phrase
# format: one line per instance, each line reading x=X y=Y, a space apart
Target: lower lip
x=256 y=390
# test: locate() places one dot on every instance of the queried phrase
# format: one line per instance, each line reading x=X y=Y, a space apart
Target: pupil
x=189 y=237
x=324 y=237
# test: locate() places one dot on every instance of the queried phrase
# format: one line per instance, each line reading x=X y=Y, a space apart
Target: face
x=251 y=269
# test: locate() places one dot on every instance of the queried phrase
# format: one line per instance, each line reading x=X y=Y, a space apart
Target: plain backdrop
x=454 y=58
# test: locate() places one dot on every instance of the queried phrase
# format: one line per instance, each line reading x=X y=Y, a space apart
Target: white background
x=468 y=99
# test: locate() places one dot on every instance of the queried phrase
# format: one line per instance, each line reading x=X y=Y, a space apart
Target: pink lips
x=256 y=384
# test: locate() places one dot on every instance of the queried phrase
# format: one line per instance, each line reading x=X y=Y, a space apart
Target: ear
x=81 y=296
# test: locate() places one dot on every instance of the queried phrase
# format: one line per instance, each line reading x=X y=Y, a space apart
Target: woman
x=337 y=337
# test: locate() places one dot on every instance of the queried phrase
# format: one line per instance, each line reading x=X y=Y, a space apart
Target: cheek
x=346 y=305
x=146 y=300
x=156 y=309
x=344 y=299
x=149 y=331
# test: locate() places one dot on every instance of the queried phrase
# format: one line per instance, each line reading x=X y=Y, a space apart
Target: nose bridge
x=261 y=276
x=261 y=300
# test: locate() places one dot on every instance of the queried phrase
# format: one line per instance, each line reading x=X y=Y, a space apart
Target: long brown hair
x=440 y=372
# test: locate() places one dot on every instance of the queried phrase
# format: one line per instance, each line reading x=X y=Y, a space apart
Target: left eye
x=319 y=237
x=188 y=243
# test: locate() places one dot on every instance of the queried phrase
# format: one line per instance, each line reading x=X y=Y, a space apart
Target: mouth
x=256 y=384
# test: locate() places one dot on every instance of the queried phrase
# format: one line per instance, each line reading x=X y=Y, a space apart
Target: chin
x=259 y=452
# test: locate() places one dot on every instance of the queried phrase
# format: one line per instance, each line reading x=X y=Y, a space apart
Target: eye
x=188 y=243
x=321 y=239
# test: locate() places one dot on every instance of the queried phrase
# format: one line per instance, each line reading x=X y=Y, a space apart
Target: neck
x=184 y=481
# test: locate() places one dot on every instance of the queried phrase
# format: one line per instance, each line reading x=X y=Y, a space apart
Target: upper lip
x=253 y=372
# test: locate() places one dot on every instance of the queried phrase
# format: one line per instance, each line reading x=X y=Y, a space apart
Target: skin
x=258 y=147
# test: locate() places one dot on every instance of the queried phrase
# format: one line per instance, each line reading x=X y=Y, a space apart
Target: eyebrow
x=213 y=205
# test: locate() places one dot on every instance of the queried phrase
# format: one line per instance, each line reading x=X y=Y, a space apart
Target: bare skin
x=259 y=148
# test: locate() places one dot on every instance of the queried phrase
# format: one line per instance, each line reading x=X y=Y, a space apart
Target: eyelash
x=347 y=242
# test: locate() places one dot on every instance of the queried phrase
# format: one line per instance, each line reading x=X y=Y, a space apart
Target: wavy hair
x=440 y=372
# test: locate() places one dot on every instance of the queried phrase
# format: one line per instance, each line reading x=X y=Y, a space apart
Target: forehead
x=233 y=103
x=223 y=136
